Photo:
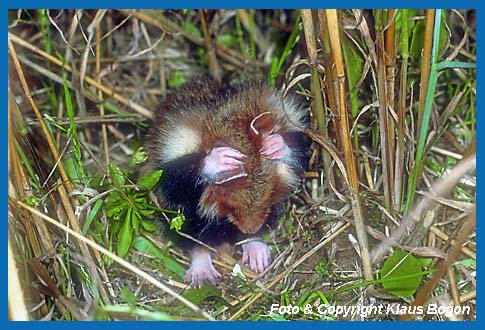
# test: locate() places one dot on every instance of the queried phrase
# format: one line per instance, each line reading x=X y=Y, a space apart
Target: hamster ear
x=262 y=124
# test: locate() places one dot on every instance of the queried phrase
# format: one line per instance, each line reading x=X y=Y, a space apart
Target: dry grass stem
x=333 y=27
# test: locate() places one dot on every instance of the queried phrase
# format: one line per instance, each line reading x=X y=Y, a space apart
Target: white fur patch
x=286 y=174
x=288 y=156
x=179 y=142
x=209 y=211
x=287 y=107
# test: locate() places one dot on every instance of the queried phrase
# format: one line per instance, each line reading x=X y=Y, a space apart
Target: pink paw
x=223 y=164
x=201 y=269
x=257 y=255
x=274 y=147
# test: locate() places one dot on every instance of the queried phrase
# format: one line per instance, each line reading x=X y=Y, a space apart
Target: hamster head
x=245 y=201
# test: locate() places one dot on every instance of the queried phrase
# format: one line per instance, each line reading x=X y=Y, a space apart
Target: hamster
x=231 y=155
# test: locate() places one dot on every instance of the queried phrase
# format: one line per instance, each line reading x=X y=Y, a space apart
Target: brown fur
x=203 y=109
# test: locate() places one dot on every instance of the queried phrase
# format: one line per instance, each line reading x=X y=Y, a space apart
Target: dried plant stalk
x=334 y=33
x=399 y=160
x=318 y=107
x=426 y=64
x=384 y=126
x=104 y=133
x=214 y=66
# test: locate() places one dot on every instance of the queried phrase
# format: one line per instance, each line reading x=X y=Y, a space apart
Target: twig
x=445 y=238
x=468 y=296
x=453 y=288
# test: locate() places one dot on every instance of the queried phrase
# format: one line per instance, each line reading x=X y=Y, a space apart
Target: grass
x=386 y=207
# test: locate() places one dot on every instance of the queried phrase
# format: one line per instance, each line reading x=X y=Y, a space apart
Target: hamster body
x=231 y=155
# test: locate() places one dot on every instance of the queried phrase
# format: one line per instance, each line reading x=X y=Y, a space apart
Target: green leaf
x=72 y=131
x=273 y=71
x=290 y=44
x=72 y=169
x=354 y=66
x=276 y=317
x=192 y=29
x=197 y=296
x=410 y=23
x=143 y=245
x=114 y=229
x=425 y=262
x=147 y=211
x=443 y=33
x=227 y=40
x=420 y=153
x=128 y=296
x=149 y=181
x=125 y=235
x=148 y=225
x=114 y=212
x=52 y=121
x=177 y=222
x=303 y=297
x=116 y=204
x=69 y=107
x=92 y=215
x=139 y=157
x=401 y=274
x=135 y=312
x=135 y=221
x=417 y=42
x=177 y=79
x=116 y=174
x=467 y=263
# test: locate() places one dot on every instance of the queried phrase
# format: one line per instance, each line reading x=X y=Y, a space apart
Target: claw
x=274 y=147
x=257 y=255
x=201 y=269
x=223 y=164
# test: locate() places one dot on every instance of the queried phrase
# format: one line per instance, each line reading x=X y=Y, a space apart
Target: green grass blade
x=290 y=43
x=72 y=132
x=427 y=113
x=455 y=65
